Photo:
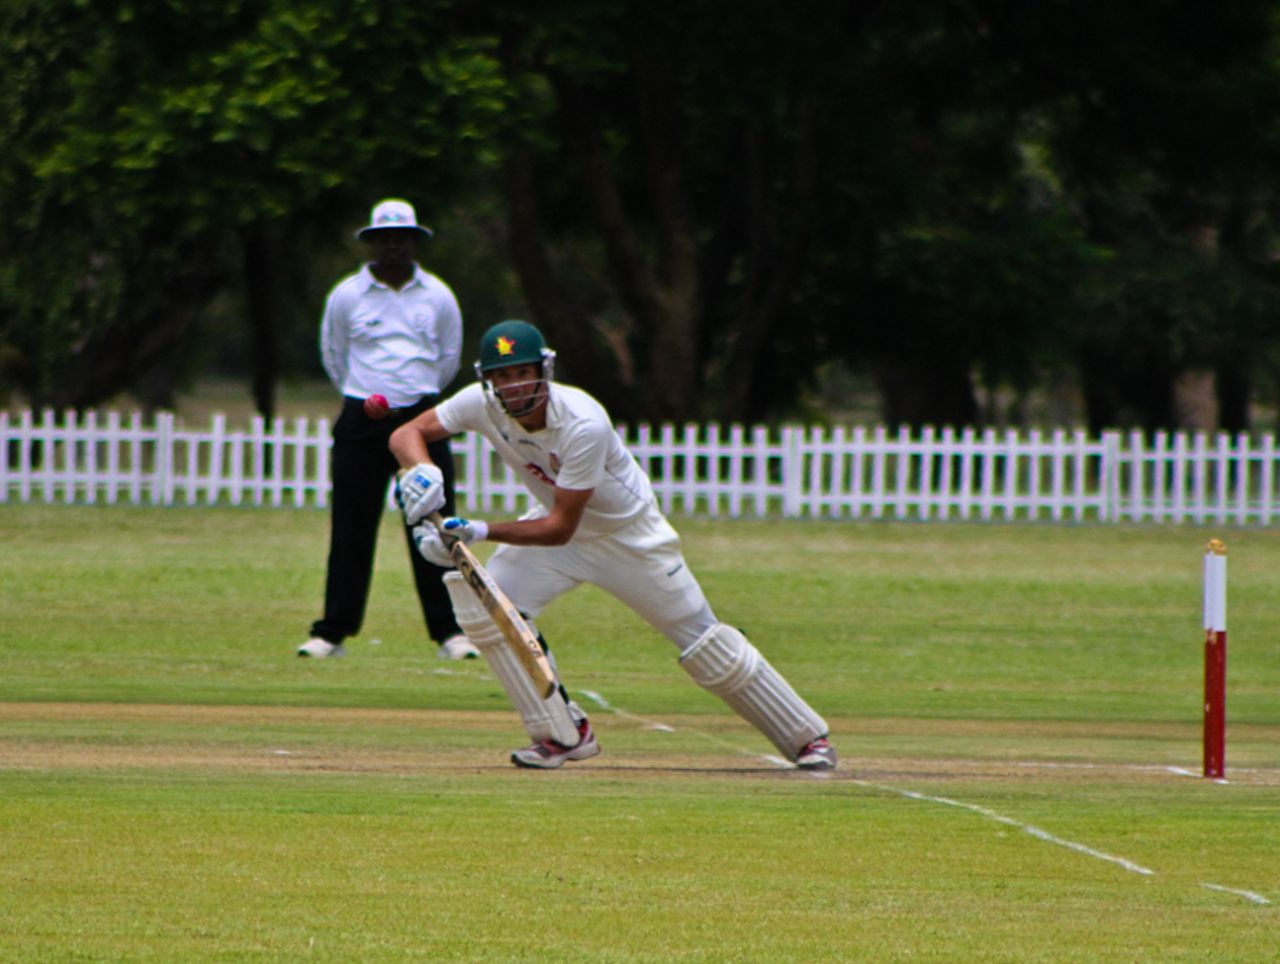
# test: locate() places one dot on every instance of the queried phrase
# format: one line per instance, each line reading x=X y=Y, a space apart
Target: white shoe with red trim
x=818 y=755
x=548 y=754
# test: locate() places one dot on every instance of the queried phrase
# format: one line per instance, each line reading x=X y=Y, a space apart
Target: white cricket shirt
x=402 y=344
x=578 y=449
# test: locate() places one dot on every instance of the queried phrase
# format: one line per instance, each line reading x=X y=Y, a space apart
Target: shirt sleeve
x=334 y=336
x=463 y=411
x=450 y=321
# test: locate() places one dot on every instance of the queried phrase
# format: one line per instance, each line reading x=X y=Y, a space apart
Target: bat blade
x=507 y=618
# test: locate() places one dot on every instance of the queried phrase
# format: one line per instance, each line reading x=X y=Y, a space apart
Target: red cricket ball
x=375 y=406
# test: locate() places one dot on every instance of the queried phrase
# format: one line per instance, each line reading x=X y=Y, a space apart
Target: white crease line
x=1027 y=828
x=604 y=705
x=1138 y=767
x=1060 y=765
x=912 y=794
x=1034 y=831
x=1246 y=894
x=656 y=725
x=990 y=814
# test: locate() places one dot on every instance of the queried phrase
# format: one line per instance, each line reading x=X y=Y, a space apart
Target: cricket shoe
x=548 y=754
x=818 y=755
x=317 y=648
x=457 y=647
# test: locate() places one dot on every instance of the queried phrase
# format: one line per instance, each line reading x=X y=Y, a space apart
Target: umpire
x=391 y=342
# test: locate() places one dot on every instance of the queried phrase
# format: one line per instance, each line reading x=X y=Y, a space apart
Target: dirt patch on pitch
x=172 y=713
x=105 y=736
x=139 y=735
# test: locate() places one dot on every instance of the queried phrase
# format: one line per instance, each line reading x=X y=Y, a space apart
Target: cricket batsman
x=595 y=520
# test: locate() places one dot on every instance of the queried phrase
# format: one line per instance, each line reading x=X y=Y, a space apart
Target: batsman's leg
x=544 y=719
x=725 y=662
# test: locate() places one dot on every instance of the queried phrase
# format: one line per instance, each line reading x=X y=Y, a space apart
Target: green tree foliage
x=933 y=191
x=162 y=152
x=1161 y=131
x=702 y=204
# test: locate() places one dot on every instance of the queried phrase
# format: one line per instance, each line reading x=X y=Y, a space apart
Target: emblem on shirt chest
x=542 y=474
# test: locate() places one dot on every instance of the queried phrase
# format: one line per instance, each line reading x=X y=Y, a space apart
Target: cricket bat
x=504 y=614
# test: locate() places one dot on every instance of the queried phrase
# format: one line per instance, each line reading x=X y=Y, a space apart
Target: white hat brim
x=363 y=233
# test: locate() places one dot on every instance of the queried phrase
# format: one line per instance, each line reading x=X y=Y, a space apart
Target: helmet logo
x=506 y=346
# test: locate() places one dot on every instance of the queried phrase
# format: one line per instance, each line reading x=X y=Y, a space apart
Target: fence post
x=299 y=442
x=322 y=444
x=1109 y=477
x=162 y=480
x=792 y=471
x=1268 y=477
x=217 y=449
x=4 y=457
x=902 y=473
x=91 y=457
x=70 y=425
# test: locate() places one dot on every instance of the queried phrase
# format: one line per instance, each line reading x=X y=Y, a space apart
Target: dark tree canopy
x=702 y=207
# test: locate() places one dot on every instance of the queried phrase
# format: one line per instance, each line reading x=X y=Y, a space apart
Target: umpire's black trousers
x=362 y=468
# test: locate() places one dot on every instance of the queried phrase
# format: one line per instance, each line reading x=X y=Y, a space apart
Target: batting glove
x=420 y=492
x=431 y=547
x=464 y=530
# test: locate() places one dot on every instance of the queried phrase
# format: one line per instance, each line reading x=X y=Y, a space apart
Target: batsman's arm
x=409 y=446
x=554 y=529
x=409 y=442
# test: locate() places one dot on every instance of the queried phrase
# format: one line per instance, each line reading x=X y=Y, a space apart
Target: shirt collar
x=420 y=277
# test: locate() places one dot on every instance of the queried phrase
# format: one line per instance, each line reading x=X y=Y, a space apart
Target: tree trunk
x=588 y=358
x=675 y=327
x=262 y=261
x=1233 y=390
x=660 y=299
x=926 y=392
x=773 y=260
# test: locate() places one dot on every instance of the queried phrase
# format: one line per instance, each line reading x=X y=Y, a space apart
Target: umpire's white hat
x=392 y=214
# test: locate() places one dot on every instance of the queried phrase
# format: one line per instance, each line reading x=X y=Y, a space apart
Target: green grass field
x=1017 y=709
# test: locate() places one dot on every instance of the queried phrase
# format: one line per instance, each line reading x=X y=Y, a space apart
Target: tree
x=701 y=208
x=674 y=147
x=162 y=153
x=1160 y=132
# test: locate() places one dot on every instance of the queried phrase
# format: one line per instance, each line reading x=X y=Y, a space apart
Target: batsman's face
x=520 y=387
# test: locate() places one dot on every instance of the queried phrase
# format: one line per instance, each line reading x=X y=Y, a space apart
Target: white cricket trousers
x=640 y=564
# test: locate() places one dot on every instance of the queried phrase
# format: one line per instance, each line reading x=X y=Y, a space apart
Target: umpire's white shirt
x=578 y=449
x=402 y=344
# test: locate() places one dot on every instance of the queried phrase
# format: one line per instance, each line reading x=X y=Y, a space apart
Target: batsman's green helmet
x=511 y=343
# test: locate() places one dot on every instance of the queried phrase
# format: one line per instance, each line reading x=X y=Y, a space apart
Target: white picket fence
x=793 y=472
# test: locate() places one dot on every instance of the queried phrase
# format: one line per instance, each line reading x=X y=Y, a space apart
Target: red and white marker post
x=1215 y=659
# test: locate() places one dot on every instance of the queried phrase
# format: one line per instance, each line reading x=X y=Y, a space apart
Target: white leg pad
x=544 y=719
x=724 y=662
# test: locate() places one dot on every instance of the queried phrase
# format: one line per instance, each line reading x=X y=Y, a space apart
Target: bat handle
x=437 y=520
